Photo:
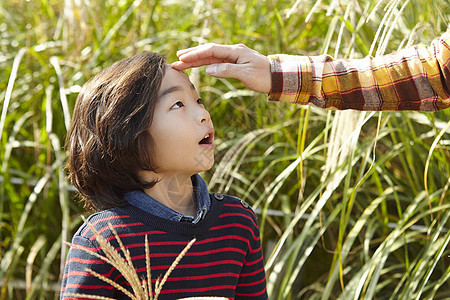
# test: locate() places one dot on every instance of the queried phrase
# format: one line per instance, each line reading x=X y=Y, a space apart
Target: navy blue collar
x=146 y=203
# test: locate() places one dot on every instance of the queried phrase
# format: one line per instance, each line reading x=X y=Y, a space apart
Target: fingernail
x=211 y=69
x=181 y=52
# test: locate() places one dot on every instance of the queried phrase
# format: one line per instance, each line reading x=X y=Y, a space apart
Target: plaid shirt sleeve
x=416 y=78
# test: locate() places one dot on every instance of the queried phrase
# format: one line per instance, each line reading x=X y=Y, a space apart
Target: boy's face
x=181 y=128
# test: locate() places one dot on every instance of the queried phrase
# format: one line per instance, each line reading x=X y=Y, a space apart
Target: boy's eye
x=178 y=104
x=200 y=101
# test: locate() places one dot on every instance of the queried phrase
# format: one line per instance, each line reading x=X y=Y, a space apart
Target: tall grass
x=351 y=205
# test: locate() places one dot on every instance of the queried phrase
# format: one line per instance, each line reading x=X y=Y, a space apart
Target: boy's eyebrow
x=173 y=89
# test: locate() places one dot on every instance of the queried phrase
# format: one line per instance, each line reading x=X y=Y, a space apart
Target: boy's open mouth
x=208 y=139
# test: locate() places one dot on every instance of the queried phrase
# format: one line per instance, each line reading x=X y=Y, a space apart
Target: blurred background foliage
x=351 y=205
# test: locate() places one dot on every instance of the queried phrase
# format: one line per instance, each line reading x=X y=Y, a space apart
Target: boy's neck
x=175 y=192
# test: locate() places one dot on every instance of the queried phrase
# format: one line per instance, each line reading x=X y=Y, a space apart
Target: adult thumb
x=223 y=70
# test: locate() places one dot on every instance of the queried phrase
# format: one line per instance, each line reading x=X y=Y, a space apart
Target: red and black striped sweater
x=225 y=260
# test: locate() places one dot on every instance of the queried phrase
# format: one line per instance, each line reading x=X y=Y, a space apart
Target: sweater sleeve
x=415 y=78
x=252 y=280
x=77 y=279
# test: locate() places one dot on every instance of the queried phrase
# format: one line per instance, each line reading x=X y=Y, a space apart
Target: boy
x=139 y=136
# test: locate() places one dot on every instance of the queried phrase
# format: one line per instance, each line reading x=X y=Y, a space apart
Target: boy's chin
x=206 y=168
x=204 y=164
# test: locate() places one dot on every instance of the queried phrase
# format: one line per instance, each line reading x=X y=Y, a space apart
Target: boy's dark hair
x=108 y=141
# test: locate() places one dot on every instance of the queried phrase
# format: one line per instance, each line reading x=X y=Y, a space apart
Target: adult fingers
x=236 y=61
x=225 y=70
x=227 y=53
x=256 y=79
x=181 y=65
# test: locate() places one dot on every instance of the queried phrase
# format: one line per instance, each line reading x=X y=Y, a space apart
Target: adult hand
x=229 y=61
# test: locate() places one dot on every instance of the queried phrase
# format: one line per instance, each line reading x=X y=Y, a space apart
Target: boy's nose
x=204 y=116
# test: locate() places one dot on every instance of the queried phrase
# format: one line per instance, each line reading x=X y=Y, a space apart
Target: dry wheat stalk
x=131 y=275
x=141 y=289
x=111 y=282
x=128 y=272
x=99 y=275
x=149 y=274
x=159 y=286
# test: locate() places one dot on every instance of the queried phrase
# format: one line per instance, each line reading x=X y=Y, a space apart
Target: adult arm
x=416 y=78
